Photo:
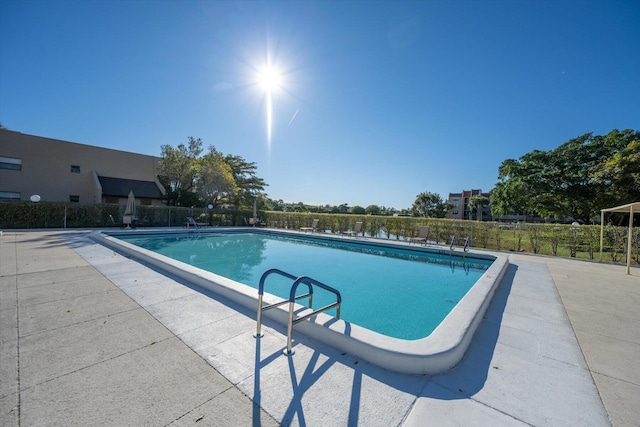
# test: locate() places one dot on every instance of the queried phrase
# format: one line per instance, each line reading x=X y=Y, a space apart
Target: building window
x=9 y=195
x=74 y=199
x=456 y=199
x=10 y=163
x=454 y=213
x=75 y=169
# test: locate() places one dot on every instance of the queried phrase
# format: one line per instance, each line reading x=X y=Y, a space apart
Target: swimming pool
x=428 y=346
x=373 y=282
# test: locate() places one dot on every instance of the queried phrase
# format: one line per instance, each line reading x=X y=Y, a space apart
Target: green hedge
x=74 y=215
x=545 y=239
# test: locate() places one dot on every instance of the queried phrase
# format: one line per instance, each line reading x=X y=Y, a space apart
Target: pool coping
x=437 y=353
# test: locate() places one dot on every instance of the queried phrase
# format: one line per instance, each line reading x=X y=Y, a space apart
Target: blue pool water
x=398 y=292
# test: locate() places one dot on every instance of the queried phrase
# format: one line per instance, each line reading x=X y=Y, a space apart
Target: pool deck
x=89 y=337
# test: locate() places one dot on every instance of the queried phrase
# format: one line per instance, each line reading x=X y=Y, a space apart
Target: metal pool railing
x=467 y=244
x=302 y=280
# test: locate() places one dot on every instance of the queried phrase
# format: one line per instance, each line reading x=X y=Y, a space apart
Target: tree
x=476 y=204
x=192 y=180
x=430 y=205
x=276 y=205
x=620 y=173
x=177 y=170
x=358 y=210
x=508 y=196
x=215 y=179
x=343 y=209
x=248 y=184
x=298 y=207
x=373 y=210
x=574 y=180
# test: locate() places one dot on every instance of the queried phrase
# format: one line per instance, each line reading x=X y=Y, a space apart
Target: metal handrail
x=453 y=243
x=467 y=244
x=269 y=307
x=302 y=280
x=193 y=222
x=292 y=297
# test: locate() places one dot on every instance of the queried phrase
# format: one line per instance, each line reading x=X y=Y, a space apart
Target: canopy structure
x=631 y=208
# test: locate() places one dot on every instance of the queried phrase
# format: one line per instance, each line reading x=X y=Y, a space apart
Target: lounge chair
x=113 y=221
x=192 y=223
x=129 y=221
x=423 y=234
x=255 y=222
x=312 y=228
x=355 y=231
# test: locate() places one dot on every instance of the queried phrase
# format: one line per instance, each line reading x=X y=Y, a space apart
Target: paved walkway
x=92 y=338
x=77 y=351
x=603 y=305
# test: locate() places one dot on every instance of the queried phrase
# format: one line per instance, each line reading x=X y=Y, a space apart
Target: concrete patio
x=90 y=337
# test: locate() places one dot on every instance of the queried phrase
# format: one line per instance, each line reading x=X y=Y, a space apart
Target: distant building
x=461 y=209
x=61 y=171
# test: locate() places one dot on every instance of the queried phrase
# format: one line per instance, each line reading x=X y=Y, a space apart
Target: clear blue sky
x=377 y=101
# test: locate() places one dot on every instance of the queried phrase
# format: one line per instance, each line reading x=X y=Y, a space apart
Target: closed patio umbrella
x=130 y=210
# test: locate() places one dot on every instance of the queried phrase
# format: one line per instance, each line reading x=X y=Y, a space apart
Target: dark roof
x=121 y=187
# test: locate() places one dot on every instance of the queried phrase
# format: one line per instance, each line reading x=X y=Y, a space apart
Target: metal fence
x=15 y=215
x=548 y=239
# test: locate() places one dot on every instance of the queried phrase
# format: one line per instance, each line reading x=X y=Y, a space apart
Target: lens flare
x=269 y=80
x=269 y=118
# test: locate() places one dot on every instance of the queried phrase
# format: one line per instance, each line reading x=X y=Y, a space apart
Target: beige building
x=61 y=171
x=460 y=206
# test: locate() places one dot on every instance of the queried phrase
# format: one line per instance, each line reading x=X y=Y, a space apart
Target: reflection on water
x=229 y=255
x=464 y=265
x=450 y=259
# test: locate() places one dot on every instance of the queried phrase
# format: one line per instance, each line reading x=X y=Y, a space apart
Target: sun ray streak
x=270 y=80
x=269 y=119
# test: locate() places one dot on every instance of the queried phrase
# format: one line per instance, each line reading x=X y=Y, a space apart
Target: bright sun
x=269 y=79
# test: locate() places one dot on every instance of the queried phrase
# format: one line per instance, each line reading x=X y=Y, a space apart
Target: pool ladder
x=467 y=244
x=292 y=299
x=193 y=222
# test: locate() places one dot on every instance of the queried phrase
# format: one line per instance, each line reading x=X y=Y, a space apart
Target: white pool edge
x=434 y=354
